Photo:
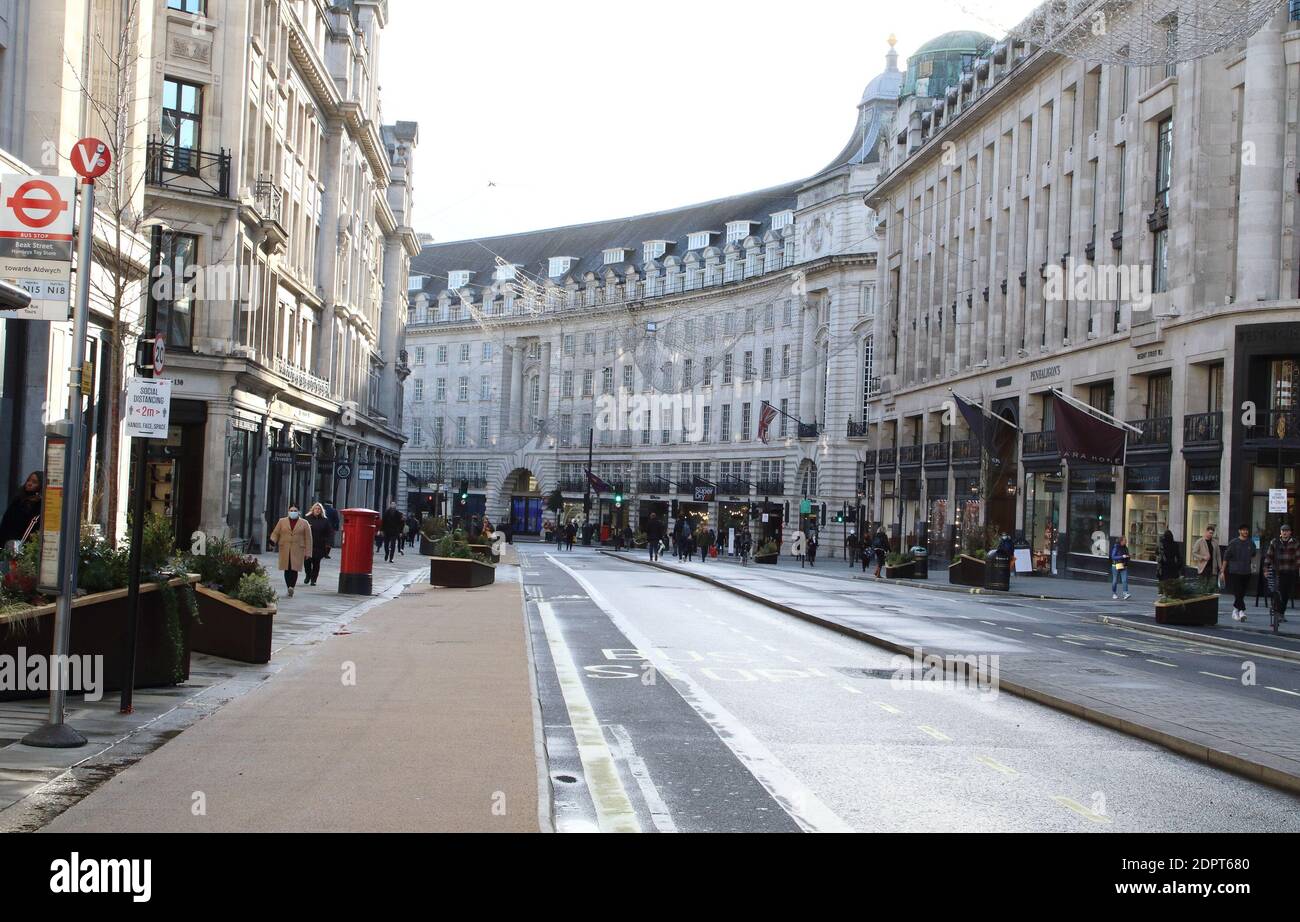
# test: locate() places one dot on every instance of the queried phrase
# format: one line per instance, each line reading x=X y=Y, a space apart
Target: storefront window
x=237 y=489
x=1146 y=517
x=1202 y=510
x=1042 y=510
x=1089 y=528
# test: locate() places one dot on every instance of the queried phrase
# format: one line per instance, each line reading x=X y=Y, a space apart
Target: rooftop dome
x=965 y=40
x=886 y=84
x=940 y=62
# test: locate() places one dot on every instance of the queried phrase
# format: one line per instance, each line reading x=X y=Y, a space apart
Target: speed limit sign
x=159 y=355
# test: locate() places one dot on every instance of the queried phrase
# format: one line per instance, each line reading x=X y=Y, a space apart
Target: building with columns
x=1123 y=234
x=278 y=187
x=657 y=338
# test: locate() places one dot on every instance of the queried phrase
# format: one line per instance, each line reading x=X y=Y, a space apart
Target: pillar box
x=359 y=527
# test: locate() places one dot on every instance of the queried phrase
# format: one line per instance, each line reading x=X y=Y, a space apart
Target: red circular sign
x=91 y=158
x=36 y=211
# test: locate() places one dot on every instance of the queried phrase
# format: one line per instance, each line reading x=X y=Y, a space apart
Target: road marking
x=1113 y=653
x=1016 y=629
x=794 y=797
x=935 y=733
x=1081 y=810
x=993 y=623
x=636 y=766
x=851 y=689
x=1282 y=690
x=614 y=811
x=1215 y=675
x=1044 y=636
x=1075 y=642
x=1162 y=663
x=887 y=707
x=995 y=765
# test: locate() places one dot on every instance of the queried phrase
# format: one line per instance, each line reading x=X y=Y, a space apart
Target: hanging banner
x=36 y=242
x=1084 y=438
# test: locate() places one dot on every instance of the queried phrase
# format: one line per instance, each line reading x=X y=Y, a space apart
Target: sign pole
x=56 y=734
x=145 y=366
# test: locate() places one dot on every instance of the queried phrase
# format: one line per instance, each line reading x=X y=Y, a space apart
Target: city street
x=756 y=720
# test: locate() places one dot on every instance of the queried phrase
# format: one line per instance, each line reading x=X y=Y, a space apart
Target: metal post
x=140 y=462
x=56 y=734
x=586 y=497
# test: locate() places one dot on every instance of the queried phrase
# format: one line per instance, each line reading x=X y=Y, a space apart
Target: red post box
x=359 y=527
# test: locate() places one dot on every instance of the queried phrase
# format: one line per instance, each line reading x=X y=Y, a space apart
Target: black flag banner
x=1080 y=436
x=992 y=432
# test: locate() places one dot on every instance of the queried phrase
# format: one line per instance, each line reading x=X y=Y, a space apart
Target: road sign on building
x=148 y=407
x=36 y=220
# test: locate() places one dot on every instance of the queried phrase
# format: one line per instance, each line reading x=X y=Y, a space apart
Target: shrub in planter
x=1182 y=601
x=768 y=552
x=899 y=566
x=236 y=604
x=967 y=570
x=455 y=565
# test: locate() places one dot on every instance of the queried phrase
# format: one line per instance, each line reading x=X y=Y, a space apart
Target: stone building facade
x=1123 y=234
x=273 y=176
x=658 y=338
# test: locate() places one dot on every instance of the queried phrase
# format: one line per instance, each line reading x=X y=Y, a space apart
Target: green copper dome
x=940 y=62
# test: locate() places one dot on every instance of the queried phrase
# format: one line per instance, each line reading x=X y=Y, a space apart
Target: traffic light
x=464 y=491
x=618 y=494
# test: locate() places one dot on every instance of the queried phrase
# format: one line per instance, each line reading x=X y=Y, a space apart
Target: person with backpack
x=1280 y=564
x=880 y=550
x=1119 y=560
x=1238 y=560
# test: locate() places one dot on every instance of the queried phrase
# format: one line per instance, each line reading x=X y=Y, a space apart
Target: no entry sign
x=91 y=158
x=36 y=218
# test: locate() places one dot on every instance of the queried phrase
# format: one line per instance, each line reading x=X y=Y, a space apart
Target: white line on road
x=1163 y=663
x=1282 y=690
x=1215 y=675
x=851 y=689
x=1044 y=636
x=1075 y=642
x=1080 y=809
x=1016 y=629
x=805 y=807
x=614 y=811
x=937 y=734
x=1113 y=653
x=659 y=814
x=995 y=765
x=887 y=707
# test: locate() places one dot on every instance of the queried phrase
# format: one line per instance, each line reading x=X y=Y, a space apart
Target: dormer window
x=414 y=282
x=782 y=219
x=653 y=249
x=738 y=230
x=615 y=255
x=699 y=240
x=458 y=278
x=560 y=265
x=506 y=273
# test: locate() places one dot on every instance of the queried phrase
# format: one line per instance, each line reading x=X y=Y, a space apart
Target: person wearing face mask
x=23 y=511
x=292 y=538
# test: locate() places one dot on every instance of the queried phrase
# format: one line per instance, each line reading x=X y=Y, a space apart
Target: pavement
x=38 y=784
x=1212 y=703
x=417 y=717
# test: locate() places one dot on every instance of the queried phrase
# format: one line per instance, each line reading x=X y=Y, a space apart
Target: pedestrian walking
x=812 y=548
x=1168 y=564
x=1280 y=564
x=744 y=545
x=654 y=533
x=880 y=547
x=851 y=548
x=1119 y=560
x=322 y=540
x=1238 y=564
x=390 y=526
x=571 y=533
x=292 y=539
x=1207 y=560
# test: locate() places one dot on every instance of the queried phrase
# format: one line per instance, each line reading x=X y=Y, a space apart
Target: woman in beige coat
x=292 y=536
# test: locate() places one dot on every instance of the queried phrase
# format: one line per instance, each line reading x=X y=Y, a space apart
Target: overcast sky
x=537 y=114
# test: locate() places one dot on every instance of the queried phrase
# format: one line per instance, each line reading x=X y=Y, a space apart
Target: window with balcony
x=182 y=124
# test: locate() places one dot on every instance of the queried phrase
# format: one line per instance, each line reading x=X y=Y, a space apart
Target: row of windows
x=435 y=434
x=441 y=352
x=683 y=428
x=440 y=389
x=667 y=379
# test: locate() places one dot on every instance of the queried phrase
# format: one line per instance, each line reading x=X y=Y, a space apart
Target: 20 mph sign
x=36 y=241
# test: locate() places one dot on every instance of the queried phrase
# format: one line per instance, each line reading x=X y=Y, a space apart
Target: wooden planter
x=230 y=629
x=1201 y=611
x=967 y=571
x=769 y=559
x=900 y=571
x=485 y=550
x=98 y=628
x=460 y=573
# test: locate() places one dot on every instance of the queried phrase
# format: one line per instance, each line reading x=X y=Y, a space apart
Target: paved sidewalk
x=58 y=777
x=1259 y=740
x=436 y=734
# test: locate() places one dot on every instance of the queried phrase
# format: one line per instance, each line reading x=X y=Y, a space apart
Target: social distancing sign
x=148 y=407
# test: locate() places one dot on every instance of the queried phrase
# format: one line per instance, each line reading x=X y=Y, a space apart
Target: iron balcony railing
x=936 y=454
x=1203 y=428
x=1156 y=433
x=1276 y=428
x=857 y=430
x=269 y=199
x=573 y=486
x=656 y=485
x=965 y=452
x=770 y=488
x=183 y=169
x=733 y=487
x=909 y=455
x=1040 y=443
x=869 y=459
x=808 y=430
x=886 y=458
x=303 y=380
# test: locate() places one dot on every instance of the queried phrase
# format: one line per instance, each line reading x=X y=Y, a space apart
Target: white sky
x=579 y=110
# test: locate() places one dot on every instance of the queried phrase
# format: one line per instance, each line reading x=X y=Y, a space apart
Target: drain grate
x=566 y=779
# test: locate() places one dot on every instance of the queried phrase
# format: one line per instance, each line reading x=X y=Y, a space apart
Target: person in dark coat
x=1168 y=564
x=880 y=549
x=1238 y=559
x=654 y=533
x=24 y=510
x=391 y=526
x=322 y=539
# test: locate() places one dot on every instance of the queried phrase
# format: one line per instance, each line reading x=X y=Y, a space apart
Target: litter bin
x=997 y=572
x=921 y=565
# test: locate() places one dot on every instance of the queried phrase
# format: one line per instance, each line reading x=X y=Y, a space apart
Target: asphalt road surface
x=670 y=705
